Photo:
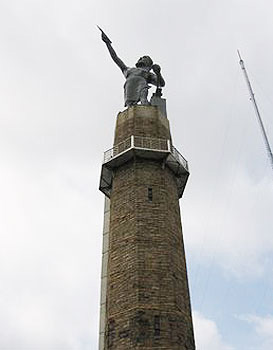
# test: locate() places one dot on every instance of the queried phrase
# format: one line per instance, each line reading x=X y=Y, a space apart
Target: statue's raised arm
x=137 y=78
x=112 y=52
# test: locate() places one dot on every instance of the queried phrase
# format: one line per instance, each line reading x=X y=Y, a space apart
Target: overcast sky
x=60 y=94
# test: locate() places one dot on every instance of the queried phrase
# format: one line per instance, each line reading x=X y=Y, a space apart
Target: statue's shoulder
x=127 y=71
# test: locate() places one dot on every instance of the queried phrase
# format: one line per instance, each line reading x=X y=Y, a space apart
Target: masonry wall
x=147 y=300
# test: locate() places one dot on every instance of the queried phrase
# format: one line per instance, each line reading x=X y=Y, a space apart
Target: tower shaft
x=147 y=297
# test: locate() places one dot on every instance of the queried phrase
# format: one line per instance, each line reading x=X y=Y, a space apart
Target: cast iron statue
x=137 y=78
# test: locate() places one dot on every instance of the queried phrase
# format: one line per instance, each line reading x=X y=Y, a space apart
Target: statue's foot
x=129 y=103
x=145 y=103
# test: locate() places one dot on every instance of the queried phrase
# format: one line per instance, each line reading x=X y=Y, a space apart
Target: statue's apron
x=136 y=82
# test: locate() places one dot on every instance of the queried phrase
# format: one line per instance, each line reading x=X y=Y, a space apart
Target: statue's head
x=144 y=62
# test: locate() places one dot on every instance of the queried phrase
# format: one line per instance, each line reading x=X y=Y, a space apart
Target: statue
x=137 y=78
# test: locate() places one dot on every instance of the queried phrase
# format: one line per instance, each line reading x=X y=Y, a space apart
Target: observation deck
x=146 y=148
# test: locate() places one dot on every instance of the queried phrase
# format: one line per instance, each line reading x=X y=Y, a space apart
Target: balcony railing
x=151 y=143
x=178 y=156
x=144 y=143
x=117 y=150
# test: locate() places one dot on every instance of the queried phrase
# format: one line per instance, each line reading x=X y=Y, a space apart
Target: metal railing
x=147 y=143
x=117 y=149
x=151 y=143
x=136 y=142
x=178 y=156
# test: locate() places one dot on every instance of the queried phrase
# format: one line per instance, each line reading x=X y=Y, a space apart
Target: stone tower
x=145 y=301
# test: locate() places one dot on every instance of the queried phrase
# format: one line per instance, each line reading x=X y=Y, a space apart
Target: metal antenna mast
x=252 y=98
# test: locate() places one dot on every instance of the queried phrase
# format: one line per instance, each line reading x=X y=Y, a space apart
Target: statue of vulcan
x=137 y=78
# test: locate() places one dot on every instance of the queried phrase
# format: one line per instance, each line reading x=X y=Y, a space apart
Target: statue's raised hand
x=156 y=68
x=104 y=37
